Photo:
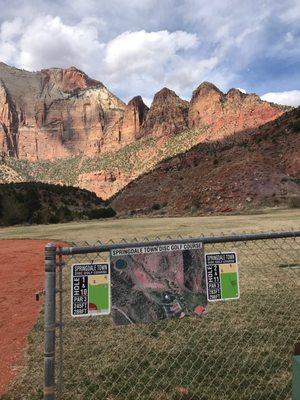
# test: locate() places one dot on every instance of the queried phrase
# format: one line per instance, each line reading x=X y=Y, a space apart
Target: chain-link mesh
x=240 y=350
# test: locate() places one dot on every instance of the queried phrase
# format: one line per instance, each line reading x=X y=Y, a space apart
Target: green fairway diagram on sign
x=222 y=277
x=90 y=289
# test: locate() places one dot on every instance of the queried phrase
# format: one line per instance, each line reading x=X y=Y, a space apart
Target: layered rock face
x=134 y=117
x=127 y=129
x=229 y=113
x=54 y=113
x=9 y=123
x=67 y=80
x=167 y=116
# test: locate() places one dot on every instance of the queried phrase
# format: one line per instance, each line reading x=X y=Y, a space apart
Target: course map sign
x=152 y=283
x=90 y=289
x=222 y=278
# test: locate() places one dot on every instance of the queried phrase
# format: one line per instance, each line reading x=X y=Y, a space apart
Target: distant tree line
x=41 y=203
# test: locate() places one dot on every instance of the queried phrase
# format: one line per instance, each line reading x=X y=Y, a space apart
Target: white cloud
x=145 y=52
x=10 y=30
x=7 y=52
x=288 y=98
x=48 y=42
x=241 y=90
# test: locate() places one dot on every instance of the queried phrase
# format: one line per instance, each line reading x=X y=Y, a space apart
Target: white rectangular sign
x=90 y=289
x=222 y=278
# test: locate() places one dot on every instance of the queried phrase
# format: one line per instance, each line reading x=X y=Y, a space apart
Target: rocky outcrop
x=134 y=117
x=9 y=123
x=105 y=183
x=168 y=115
x=229 y=113
x=67 y=80
x=127 y=129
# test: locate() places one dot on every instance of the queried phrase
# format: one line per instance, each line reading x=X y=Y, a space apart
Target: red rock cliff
x=229 y=113
x=55 y=113
x=167 y=116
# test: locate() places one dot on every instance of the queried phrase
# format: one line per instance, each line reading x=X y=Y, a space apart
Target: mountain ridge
x=60 y=126
x=65 y=110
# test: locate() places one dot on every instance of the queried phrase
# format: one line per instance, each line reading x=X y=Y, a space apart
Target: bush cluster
x=40 y=203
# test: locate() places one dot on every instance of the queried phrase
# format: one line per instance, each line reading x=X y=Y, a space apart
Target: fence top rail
x=103 y=248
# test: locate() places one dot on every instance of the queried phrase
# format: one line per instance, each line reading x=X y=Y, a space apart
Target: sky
x=136 y=47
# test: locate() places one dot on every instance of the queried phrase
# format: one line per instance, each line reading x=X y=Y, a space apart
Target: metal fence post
x=296 y=373
x=50 y=322
x=60 y=326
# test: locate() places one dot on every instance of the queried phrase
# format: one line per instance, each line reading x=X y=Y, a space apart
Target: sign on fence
x=222 y=276
x=90 y=289
x=151 y=283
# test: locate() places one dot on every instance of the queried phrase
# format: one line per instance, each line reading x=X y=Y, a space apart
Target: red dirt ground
x=21 y=275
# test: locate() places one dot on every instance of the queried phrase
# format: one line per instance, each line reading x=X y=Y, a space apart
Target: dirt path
x=21 y=275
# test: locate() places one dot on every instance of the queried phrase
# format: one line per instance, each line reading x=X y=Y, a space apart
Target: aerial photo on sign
x=90 y=289
x=222 y=276
x=152 y=283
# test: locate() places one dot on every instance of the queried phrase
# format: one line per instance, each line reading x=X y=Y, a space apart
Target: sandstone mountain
x=54 y=113
x=168 y=115
x=60 y=126
x=62 y=112
x=228 y=113
x=250 y=169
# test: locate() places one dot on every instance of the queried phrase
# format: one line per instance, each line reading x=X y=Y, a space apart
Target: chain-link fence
x=240 y=350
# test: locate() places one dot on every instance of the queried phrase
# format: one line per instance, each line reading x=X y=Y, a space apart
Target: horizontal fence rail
x=103 y=248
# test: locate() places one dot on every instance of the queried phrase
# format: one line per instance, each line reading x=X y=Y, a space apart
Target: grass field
x=240 y=351
x=104 y=230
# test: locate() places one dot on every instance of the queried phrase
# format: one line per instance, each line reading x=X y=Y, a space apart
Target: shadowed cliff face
x=9 y=123
x=57 y=113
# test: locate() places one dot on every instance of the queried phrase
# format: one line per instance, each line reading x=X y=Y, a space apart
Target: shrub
x=156 y=207
x=294 y=201
x=13 y=212
x=296 y=125
x=194 y=209
x=65 y=214
x=96 y=213
x=53 y=218
x=32 y=202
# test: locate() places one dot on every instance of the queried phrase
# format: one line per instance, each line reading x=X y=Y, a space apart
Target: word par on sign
x=222 y=278
x=90 y=289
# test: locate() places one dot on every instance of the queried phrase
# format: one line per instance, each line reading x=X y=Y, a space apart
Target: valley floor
x=116 y=229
